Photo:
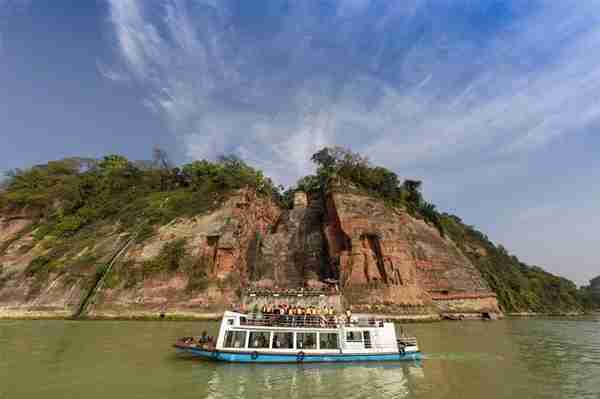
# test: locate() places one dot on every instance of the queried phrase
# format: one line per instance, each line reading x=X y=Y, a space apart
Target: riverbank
x=61 y=314
x=174 y=316
x=557 y=314
x=8 y=314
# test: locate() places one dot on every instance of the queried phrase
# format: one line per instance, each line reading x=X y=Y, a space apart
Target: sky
x=494 y=105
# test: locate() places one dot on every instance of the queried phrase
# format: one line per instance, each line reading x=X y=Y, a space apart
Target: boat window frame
x=316 y=340
x=293 y=340
x=337 y=340
x=244 y=342
x=269 y=339
x=355 y=332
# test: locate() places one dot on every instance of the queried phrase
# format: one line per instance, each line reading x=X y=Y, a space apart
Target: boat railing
x=407 y=341
x=307 y=321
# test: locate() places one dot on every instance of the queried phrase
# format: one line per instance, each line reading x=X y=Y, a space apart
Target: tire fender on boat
x=300 y=356
x=254 y=355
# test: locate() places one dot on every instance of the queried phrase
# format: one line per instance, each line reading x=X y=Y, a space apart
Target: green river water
x=512 y=358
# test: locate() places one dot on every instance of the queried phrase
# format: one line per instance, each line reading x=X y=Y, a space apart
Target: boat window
x=259 y=339
x=328 y=341
x=235 y=339
x=306 y=340
x=283 y=340
x=354 y=336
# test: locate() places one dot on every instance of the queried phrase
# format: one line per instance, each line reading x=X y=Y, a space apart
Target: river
x=511 y=358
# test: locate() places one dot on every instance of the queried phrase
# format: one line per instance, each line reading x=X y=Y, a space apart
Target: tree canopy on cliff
x=75 y=195
x=337 y=165
x=519 y=287
x=74 y=192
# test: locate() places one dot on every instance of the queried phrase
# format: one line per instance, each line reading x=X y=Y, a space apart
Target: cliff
x=210 y=238
x=390 y=260
x=382 y=260
x=148 y=278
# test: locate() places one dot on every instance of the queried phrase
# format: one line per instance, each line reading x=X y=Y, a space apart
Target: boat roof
x=302 y=321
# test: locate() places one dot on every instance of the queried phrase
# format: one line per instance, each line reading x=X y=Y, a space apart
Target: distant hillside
x=124 y=238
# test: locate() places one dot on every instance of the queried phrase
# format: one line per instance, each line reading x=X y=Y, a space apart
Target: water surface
x=529 y=358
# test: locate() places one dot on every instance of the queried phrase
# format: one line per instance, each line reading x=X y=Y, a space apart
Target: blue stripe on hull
x=241 y=357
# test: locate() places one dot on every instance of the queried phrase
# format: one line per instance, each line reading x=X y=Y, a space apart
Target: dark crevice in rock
x=375 y=246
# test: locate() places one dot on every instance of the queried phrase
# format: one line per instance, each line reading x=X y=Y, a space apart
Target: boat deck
x=306 y=321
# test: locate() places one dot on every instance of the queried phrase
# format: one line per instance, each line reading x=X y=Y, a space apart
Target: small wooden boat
x=306 y=338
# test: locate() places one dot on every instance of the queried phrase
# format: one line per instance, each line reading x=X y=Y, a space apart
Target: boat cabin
x=291 y=334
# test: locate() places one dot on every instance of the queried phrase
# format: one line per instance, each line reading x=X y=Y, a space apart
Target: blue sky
x=493 y=104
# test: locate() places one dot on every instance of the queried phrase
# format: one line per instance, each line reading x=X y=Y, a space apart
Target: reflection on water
x=530 y=358
x=364 y=380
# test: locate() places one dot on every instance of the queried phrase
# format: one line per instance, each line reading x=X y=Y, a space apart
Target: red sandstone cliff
x=384 y=261
x=389 y=259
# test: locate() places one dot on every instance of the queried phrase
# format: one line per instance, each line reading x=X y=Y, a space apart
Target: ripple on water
x=309 y=381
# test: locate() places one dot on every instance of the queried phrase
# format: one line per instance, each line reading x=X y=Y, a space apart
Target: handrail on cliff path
x=99 y=282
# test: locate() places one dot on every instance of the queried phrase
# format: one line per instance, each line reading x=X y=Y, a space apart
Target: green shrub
x=519 y=287
x=198 y=275
x=172 y=254
x=68 y=225
x=73 y=193
x=37 y=265
x=170 y=258
x=144 y=233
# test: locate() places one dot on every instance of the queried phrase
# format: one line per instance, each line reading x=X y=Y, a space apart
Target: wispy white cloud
x=112 y=73
x=408 y=84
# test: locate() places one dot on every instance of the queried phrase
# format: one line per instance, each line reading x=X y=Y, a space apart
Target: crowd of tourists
x=285 y=309
x=295 y=316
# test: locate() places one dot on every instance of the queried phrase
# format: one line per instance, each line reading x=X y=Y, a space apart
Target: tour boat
x=307 y=338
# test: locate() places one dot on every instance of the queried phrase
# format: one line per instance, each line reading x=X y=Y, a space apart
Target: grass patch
x=198 y=275
x=37 y=265
x=171 y=257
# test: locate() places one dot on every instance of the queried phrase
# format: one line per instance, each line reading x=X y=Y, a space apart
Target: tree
x=113 y=162
x=412 y=188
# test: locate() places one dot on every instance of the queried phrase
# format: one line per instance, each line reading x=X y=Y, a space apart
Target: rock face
x=53 y=293
x=291 y=255
x=388 y=259
x=223 y=243
x=380 y=260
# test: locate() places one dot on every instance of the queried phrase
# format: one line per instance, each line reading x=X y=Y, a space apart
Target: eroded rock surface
x=380 y=260
x=387 y=258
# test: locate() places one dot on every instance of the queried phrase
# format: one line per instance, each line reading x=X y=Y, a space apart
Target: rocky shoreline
x=62 y=314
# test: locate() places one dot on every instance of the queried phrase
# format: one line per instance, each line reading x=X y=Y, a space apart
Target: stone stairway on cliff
x=90 y=297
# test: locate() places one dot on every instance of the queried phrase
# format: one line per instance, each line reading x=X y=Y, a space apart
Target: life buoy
x=300 y=356
x=254 y=355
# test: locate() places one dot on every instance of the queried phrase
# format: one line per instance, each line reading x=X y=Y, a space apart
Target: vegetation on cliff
x=77 y=203
x=337 y=167
x=519 y=287
x=74 y=200
x=590 y=294
x=70 y=194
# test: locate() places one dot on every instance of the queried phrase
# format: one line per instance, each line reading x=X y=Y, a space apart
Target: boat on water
x=248 y=338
